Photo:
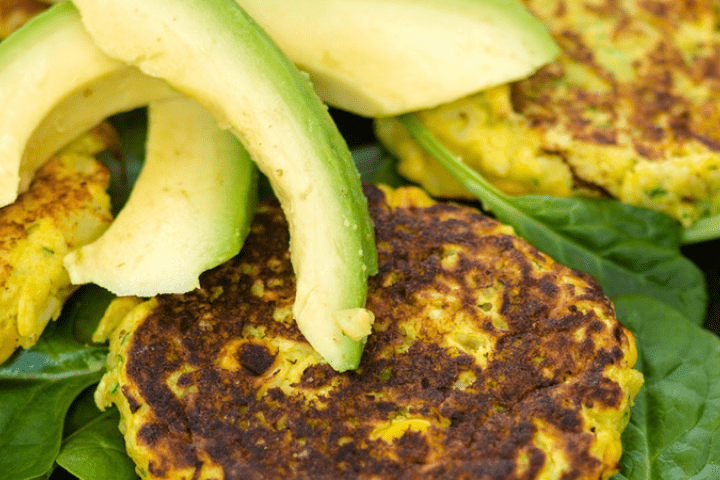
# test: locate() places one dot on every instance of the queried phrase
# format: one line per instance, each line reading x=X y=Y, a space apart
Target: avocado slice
x=56 y=84
x=38 y=69
x=212 y=51
x=385 y=57
x=107 y=87
x=189 y=210
x=121 y=91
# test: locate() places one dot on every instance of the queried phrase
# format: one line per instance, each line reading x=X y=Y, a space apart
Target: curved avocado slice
x=55 y=84
x=214 y=52
x=385 y=57
x=42 y=63
x=105 y=87
x=72 y=103
x=123 y=90
x=189 y=210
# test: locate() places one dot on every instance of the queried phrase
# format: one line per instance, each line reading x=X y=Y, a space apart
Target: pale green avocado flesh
x=386 y=57
x=41 y=64
x=55 y=84
x=123 y=90
x=178 y=223
x=189 y=210
x=213 y=52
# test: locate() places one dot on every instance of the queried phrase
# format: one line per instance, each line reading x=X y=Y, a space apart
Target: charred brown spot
x=133 y=403
x=150 y=433
x=255 y=357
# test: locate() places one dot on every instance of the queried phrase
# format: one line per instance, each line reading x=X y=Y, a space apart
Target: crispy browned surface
x=65 y=207
x=656 y=108
x=483 y=342
x=14 y=13
x=68 y=185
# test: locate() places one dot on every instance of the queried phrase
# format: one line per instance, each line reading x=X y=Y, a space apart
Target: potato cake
x=66 y=206
x=487 y=360
x=629 y=110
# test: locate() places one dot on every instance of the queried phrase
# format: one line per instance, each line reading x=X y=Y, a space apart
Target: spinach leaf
x=674 y=429
x=707 y=228
x=96 y=451
x=84 y=310
x=387 y=173
x=38 y=386
x=124 y=169
x=82 y=411
x=368 y=160
x=630 y=250
x=93 y=447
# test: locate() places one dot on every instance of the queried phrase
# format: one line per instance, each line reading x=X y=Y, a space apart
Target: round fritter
x=65 y=207
x=487 y=360
x=630 y=109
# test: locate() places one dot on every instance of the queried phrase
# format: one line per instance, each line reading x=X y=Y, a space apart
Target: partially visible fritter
x=488 y=361
x=14 y=14
x=630 y=110
x=65 y=207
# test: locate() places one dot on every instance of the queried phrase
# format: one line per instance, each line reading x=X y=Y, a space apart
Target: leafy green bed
x=50 y=428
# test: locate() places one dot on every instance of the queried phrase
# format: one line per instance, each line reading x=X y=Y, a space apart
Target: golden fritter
x=66 y=206
x=487 y=360
x=629 y=110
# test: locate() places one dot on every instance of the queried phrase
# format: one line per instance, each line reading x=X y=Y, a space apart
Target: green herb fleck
x=658 y=191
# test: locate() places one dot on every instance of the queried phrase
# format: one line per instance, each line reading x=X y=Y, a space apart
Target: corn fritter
x=487 y=360
x=65 y=207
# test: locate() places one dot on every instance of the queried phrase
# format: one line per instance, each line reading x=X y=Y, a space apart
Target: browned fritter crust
x=655 y=109
x=66 y=187
x=485 y=350
x=14 y=14
x=66 y=207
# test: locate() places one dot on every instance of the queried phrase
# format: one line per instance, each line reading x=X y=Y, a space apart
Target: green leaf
x=674 y=429
x=630 y=250
x=38 y=386
x=377 y=166
x=368 y=160
x=707 y=228
x=132 y=128
x=388 y=175
x=82 y=411
x=84 y=310
x=97 y=451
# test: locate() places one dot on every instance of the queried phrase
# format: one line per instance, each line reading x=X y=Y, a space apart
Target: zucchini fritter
x=629 y=110
x=488 y=360
x=66 y=206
